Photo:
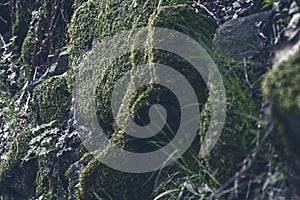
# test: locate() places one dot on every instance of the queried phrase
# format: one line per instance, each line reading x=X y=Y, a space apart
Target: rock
x=61 y=65
x=74 y=172
x=97 y=175
x=292 y=30
x=246 y=38
x=241 y=37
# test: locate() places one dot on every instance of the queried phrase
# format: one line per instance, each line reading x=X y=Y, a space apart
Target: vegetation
x=41 y=152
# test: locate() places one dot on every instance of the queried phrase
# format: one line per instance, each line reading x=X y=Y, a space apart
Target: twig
x=3 y=20
x=248 y=82
x=2 y=40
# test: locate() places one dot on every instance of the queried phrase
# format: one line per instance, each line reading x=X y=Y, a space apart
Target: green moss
x=95 y=20
x=280 y=88
x=17 y=179
x=51 y=183
x=21 y=25
x=243 y=112
x=28 y=47
x=240 y=128
x=180 y=14
x=51 y=100
x=98 y=180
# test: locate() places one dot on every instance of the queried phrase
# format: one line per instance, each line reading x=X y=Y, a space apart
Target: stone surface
x=243 y=37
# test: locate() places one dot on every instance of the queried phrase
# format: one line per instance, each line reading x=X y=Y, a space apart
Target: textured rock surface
x=242 y=37
x=246 y=38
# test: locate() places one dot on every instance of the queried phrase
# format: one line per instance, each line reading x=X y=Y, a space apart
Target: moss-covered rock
x=45 y=34
x=51 y=182
x=97 y=179
x=22 y=21
x=17 y=178
x=282 y=90
x=52 y=100
x=95 y=20
x=38 y=158
x=242 y=115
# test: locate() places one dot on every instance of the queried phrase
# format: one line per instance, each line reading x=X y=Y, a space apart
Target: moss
x=28 y=48
x=47 y=178
x=51 y=100
x=17 y=179
x=96 y=178
x=242 y=115
x=152 y=94
x=99 y=180
x=95 y=20
x=21 y=25
x=51 y=182
x=282 y=90
x=280 y=86
x=242 y=110
x=74 y=171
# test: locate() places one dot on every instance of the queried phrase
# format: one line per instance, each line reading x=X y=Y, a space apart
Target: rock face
x=41 y=148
